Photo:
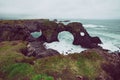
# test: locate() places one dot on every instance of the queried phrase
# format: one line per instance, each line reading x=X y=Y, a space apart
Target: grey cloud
x=91 y=9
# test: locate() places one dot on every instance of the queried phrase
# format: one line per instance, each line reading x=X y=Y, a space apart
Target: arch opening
x=36 y=34
x=65 y=36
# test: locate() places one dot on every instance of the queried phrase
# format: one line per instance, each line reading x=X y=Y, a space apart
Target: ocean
x=107 y=30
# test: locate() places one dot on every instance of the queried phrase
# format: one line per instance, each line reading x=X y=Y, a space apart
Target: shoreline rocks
x=11 y=30
x=38 y=50
x=21 y=30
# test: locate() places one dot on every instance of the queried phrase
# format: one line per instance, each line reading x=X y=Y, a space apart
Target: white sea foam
x=93 y=26
x=64 y=45
x=110 y=40
x=109 y=46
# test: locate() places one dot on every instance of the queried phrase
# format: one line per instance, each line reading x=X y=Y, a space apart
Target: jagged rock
x=35 y=48
x=16 y=32
x=48 y=52
x=38 y=50
x=22 y=29
x=81 y=37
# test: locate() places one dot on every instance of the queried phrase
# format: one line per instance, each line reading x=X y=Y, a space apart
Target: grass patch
x=16 y=70
x=60 y=67
x=9 y=51
x=42 y=77
x=88 y=64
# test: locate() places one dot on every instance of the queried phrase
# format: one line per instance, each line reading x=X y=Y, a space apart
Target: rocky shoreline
x=11 y=30
x=18 y=32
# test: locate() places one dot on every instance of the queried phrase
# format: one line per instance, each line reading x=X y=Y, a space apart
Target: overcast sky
x=82 y=9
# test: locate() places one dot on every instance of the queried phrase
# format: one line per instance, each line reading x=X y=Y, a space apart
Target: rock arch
x=50 y=31
x=81 y=36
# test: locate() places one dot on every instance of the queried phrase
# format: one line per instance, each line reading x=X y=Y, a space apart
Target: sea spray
x=65 y=46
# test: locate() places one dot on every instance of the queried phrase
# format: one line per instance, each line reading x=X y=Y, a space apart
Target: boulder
x=48 y=52
x=38 y=50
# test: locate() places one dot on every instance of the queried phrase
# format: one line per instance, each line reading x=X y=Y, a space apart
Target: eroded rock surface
x=38 y=50
x=21 y=29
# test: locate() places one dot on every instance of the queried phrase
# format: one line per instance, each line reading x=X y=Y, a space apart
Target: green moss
x=42 y=77
x=9 y=52
x=13 y=64
x=20 y=70
x=89 y=64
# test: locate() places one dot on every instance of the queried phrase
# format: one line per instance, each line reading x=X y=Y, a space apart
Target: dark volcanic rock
x=16 y=32
x=21 y=30
x=81 y=37
x=38 y=50
x=113 y=66
x=48 y=52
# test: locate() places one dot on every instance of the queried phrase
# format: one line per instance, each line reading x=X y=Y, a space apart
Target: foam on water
x=110 y=40
x=93 y=26
x=64 y=45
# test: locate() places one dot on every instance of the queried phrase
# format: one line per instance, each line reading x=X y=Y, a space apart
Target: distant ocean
x=107 y=30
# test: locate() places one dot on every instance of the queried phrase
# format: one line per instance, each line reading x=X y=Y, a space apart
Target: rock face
x=81 y=37
x=16 y=32
x=38 y=50
x=21 y=29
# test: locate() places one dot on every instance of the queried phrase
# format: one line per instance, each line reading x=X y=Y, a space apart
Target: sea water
x=107 y=30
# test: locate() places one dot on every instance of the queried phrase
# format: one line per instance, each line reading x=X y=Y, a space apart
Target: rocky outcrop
x=13 y=32
x=110 y=64
x=21 y=29
x=38 y=50
x=81 y=36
